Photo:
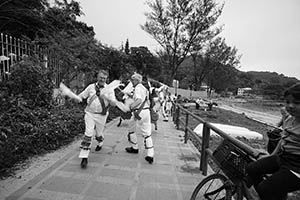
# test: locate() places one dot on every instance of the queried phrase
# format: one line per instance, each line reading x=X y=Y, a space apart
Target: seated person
x=284 y=163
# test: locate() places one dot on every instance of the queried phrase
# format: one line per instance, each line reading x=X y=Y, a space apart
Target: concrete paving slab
x=113 y=174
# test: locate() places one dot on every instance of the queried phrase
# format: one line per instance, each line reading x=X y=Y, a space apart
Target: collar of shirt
x=98 y=88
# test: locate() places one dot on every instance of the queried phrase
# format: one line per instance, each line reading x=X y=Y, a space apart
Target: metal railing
x=14 y=50
x=202 y=142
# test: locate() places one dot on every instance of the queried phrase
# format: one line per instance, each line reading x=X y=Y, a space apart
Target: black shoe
x=149 y=159
x=98 y=148
x=131 y=150
x=84 y=162
x=120 y=122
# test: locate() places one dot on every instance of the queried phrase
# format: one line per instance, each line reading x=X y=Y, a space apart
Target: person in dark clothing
x=282 y=166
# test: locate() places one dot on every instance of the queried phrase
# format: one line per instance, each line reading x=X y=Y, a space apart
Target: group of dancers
x=137 y=100
x=283 y=163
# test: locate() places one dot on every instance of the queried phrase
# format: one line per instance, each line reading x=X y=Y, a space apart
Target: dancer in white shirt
x=95 y=116
x=141 y=118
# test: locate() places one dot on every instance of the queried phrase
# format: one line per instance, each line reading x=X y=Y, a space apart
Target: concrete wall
x=188 y=93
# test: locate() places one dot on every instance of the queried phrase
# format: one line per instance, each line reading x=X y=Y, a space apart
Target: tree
x=218 y=54
x=273 y=90
x=223 y=79
x=222 y=53
x=71 y=42
x=144 y=61
x=177 y=24
x=118 y=63
x=22 y=18
x=127 y=50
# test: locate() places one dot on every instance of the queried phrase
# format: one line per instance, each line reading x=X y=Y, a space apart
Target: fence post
x=2 y=53
x=205 y=145
x=173 y=111
x=177 y=117
x=186 y=127
x=7 y=62
x=19 y=52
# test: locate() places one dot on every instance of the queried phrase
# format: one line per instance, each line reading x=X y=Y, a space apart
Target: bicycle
x=232 y=161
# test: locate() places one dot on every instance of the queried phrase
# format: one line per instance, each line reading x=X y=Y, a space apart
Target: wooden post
x=186 y=127
x=205 y=145
x=19 y=52
x=177 y=117
x=173 y=111
x=2 y=53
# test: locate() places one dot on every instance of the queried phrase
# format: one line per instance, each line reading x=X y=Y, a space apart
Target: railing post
x=2 y=53
x=205 y=145
x=173 y=112
x=186 y=127
x=177 y=117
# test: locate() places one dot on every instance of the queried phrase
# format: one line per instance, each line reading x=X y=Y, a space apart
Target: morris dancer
x=168 y=106
x=155 y=107
x=163 y=100
x=95 y=116
x=140 y=108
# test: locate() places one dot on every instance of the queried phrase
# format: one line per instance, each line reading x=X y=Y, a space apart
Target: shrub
x=31 y=83
x=25 y=133
x=28 y=124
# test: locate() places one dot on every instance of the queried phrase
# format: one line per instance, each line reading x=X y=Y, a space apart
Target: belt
x=142 y=109
x=98 y=113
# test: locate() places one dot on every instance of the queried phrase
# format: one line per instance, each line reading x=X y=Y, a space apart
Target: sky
x=265 y=32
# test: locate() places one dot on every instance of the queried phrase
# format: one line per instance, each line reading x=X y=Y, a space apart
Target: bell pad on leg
x=99 y=138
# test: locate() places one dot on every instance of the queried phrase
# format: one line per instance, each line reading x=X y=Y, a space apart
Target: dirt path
x=263 y=117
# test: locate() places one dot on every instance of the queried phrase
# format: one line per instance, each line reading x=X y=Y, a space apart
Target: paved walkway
x=113 y=174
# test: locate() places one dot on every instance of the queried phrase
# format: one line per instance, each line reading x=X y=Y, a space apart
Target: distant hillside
x=269 y=84
x=225 y=79
x=269 y=77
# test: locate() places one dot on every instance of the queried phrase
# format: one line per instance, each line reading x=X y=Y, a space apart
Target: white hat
x=137 y=76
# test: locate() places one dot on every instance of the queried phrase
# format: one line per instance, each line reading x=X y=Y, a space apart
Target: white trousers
x=94 y=124
x=163 y=111
x=144 y=124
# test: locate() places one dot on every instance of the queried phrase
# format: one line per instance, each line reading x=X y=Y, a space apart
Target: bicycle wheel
x=215 y=186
